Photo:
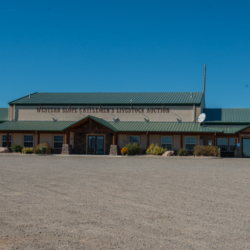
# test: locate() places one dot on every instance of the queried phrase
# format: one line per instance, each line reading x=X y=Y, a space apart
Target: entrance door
x=96 y=144
x=246 y=147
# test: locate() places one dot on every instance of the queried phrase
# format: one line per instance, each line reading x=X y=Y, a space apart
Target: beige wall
x=183 y=113
x=10 y=113
x=155 y=139
x=176 y=140
x=47 y=138
x=122 y=141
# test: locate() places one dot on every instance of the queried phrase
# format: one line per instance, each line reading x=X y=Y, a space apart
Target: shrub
x=27 y=150
x=124 y=150
x=206 y=151
x=155 y=150
x=38 y=149
x=16 y=148
x=134 y=149
x=182 y=152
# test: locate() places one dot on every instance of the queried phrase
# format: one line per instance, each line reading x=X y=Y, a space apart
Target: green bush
x=16 y=148
x=27 y=150
x=134 y=149
x=155 y=150
x=182 y=152
x=38 y=149
x=206 y=151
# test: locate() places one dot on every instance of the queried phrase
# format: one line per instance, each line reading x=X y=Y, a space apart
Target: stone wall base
x=238 y=153
x=66 y=149
x=114 y=150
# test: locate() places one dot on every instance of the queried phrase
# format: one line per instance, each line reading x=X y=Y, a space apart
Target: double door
x=96 y=144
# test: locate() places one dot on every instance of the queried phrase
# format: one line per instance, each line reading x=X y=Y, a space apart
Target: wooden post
x=66 y=138
x=113 y=138
x=147 y=140
x=237 y=140
x=38 y=138
x=181 y=141
x=8 y=140
x=215 y=139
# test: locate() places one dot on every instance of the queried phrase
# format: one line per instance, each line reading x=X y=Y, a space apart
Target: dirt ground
x=60 y=202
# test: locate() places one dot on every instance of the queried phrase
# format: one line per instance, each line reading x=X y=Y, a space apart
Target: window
x=58 y=141
x=190 y=143
x=4 y=141
x=134 y=139
x=232 y=144
x=28 y=141
x=222 y=144
x=166 y=142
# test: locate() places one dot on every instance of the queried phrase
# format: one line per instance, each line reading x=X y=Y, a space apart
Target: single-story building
x=93 y=123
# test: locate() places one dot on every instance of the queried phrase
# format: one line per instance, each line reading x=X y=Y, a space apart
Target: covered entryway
x=96 y=144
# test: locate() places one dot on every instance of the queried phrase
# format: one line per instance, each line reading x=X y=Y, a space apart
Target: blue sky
x=126 y=46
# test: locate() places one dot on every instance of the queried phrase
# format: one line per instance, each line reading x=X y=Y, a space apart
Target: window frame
x=190 y=143
x=223 y=144
x=167 y=143
x=134 y=136
x=28 y=141
x=10 y=140
x=57 y=141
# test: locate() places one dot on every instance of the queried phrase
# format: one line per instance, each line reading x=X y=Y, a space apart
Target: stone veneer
x=80 y=141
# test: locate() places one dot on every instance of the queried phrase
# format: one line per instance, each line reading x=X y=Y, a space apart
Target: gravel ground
x=56 y=202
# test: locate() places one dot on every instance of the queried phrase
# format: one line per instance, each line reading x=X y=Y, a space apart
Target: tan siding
x=184 y=113
x=143 y=141
x=197 y=112
x=10 y=113
x=155 y=139
x=176 y=142
x=17 y=138
x=48 y=138
x=122 y=141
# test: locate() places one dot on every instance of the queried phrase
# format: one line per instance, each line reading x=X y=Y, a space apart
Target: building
x=94 y=123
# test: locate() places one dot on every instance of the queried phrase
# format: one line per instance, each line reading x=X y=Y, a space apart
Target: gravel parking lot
x=60 y=202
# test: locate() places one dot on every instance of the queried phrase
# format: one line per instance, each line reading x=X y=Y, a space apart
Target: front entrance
x=246 y=147
x=96 y=144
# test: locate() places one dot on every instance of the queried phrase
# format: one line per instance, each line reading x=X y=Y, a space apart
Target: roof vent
x=191 y=96
x=29 y=95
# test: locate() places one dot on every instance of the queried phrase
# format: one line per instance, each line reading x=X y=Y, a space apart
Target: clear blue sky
x=126 y=46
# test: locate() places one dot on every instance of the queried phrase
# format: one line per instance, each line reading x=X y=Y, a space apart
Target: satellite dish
x=201 y=117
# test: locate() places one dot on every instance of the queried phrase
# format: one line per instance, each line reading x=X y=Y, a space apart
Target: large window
x=4 y=141
x=166 y=142
x=58 y=141
x=232 y=144
x=190 y=143
x=222 y=144
x=28 y=141
x=134 y=139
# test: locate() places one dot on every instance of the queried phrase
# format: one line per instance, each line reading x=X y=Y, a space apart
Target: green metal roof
x=4 y=114
x=163 y=127
x=146 y=98
x=227 y=116
x=35 y=125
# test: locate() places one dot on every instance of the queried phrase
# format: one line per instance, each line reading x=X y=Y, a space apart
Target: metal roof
x=35 y=125
x=227 y=115
x=4 y=114
x=139 y=98
x=163 y=127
